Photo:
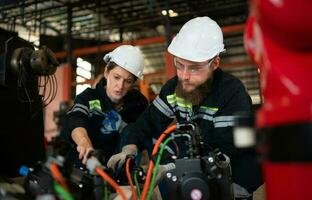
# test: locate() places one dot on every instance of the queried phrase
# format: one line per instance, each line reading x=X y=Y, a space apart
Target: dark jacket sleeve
x=151 y=123
x=246 y=168
x=77 y=116
x=136 y=104
x=235 y=101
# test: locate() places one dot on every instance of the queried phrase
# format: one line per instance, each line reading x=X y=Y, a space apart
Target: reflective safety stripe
x=223 y=124
x=97 y=112
x=223 y=121
x=174 y=100
x=209 y=110
x=184 y=110
x=80 y=108
x=162 y=107
x=85 y=110
x=202 y=116
x=171 y=97
x=185 y=115
x=180 y=105
x=204 y=112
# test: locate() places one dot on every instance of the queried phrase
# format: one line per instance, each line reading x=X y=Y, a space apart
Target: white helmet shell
x=200 y=39
x=128 y=57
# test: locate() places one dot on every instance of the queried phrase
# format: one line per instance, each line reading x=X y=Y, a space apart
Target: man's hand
x=119 y=159
x=162 y=171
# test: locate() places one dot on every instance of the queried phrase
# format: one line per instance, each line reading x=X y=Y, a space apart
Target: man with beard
x=202 y=93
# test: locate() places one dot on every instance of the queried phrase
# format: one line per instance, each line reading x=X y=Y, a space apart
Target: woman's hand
x=84 y=151
x=83 y=142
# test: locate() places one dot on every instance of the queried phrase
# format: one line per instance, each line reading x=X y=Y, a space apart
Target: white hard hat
x=128 y=57
x=200 y=39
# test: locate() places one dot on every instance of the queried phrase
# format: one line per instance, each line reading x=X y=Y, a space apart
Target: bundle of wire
x=60 y=185
x=62 y=189
x=48 y=88
x=152 y=168
x=111 y=181
x=151 y=163
x=134 y=195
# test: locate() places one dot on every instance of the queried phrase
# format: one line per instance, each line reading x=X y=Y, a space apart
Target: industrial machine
x=27 y=84
x=198 y=176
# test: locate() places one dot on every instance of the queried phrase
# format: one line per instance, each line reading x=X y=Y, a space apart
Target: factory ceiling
x=102 y=22
x=115 y=20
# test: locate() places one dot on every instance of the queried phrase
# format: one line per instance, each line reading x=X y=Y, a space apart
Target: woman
x=98 y=115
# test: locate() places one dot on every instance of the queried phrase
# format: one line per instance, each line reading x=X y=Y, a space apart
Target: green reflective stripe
x=174 y=100
x=210 y=108
x=181 y=102
x=95 y=104
x=171 y=96
x=183 y=105
x=182 y=109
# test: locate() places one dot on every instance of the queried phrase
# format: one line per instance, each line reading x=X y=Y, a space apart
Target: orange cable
x=57 y=175
x=134 y=196
x=151 y=163
x=111 y=181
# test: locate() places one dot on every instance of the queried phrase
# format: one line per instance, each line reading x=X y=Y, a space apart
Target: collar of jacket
x=101 y=91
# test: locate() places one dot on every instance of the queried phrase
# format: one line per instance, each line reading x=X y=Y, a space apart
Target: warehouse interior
x=79 y=33
x=99 y=26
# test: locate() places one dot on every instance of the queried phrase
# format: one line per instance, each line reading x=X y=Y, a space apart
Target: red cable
x=111 y=181
x=151 y=163
x=57 y=175
x=134 y=195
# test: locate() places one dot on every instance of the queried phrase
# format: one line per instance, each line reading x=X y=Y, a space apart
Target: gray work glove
x=162 y=171
x=120 y=158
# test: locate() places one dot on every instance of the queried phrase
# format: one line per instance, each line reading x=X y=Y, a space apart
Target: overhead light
x=170 y=12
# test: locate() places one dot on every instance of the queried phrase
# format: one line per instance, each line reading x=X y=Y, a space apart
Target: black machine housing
x=199 y=176
x=21 y=104
x=83 y=185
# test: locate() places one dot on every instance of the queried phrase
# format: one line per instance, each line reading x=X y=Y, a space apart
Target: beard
x=196 y=96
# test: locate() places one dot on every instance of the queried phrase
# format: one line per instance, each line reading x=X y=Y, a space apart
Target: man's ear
x=215 y=63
